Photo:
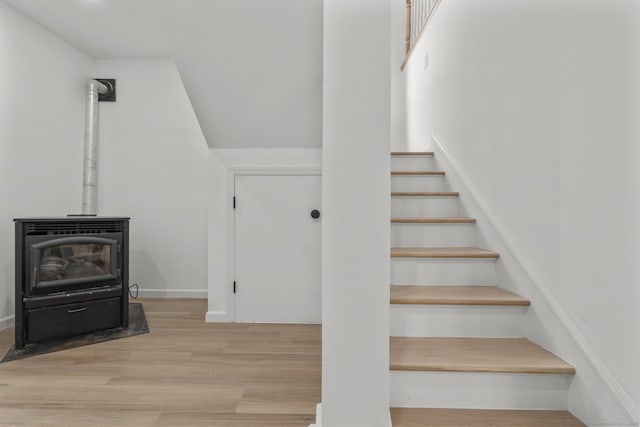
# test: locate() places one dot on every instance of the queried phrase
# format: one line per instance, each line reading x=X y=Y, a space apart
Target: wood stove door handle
x=34 y=278
x=77 y=310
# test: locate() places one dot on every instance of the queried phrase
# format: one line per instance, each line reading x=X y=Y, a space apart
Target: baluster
x=408 y=32
x=419 y=20
x=425 y=12
x=418 y=13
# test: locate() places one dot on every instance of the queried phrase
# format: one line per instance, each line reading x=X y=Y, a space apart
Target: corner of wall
x=217 y=236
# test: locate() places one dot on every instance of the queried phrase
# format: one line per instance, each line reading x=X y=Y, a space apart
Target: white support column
x=356 y=211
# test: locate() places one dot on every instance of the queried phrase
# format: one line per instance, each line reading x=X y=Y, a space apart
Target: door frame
x=232 y=173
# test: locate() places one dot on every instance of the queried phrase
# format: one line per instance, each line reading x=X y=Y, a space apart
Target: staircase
x=457 y=336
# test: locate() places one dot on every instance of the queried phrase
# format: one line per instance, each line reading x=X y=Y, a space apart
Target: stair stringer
x=595 y=395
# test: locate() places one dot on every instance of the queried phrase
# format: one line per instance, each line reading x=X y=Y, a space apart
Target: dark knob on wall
x=315 y=214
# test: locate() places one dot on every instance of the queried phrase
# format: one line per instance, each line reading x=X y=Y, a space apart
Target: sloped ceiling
x=252 y=68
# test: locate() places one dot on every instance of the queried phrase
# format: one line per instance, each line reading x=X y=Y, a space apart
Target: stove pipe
x=90 y=173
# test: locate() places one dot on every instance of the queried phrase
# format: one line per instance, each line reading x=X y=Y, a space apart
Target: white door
x=278 y=249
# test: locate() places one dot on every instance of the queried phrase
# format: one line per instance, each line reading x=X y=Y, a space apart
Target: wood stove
x=72 y=276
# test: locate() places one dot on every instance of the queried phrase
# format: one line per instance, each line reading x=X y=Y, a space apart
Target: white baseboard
x=318 y=416
x=318 y=422
x=218 y=317
x=595 y=385
x=172 y=293
x=6 y=322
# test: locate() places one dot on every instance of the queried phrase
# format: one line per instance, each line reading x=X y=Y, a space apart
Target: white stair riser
x=478 y=390
x=457 y=321
x=424 y=206
x=412 y=163
x=418 y=183
x=442 y=271
x=432 y=235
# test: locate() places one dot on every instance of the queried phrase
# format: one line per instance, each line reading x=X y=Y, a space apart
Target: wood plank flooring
x=190 y=373
x=425 y=194
x=433 y=220
x=446 y=252
x=184 y=373
x=412 y=153
x=481 y=418
x=418 y=173
x=499 y=355
x=455 y=295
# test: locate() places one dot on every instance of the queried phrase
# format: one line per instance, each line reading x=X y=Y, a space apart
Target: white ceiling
x=252 y=68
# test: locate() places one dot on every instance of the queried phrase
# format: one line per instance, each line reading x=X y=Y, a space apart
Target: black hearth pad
x=137 y=326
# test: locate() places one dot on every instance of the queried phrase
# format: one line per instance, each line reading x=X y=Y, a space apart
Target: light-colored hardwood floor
x=500 y=355
x=412 y=153
x=425 y=194
x=417 y=173
x=481 y=418
x=190 y=373
x=432 y=220
x=455 y=295
x=184 y=373
x=452 y=252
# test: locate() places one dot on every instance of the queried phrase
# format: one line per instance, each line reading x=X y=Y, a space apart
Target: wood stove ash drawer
x=73 y=319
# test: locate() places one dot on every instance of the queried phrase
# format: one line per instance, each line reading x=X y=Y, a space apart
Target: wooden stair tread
x=419 y=417
x=412 y=153
x=443 y=252
x=425 y=194
x=496 y=355
x=455 y=295
x=416 y=173
x=442 y=220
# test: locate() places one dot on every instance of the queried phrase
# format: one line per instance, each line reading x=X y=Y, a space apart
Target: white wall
x=535 y=101
x=42 y=82
x=223 y=165
x=258 y=82
x=253 y=68
x=356 y=204
x=153 y=168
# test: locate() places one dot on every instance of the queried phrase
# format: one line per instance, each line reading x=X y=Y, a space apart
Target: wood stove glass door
x=67 y=263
